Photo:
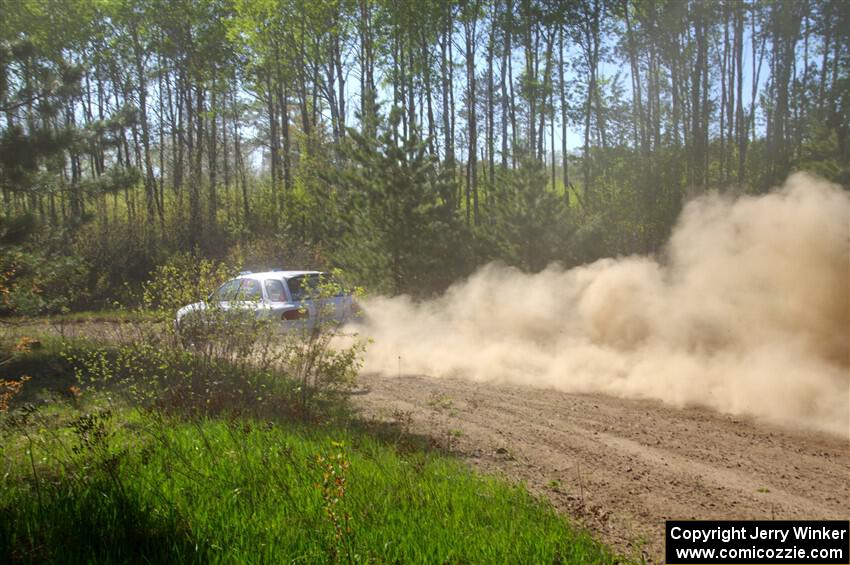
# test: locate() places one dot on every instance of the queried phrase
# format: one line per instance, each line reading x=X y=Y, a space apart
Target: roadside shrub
x=39 y=282
x=119 y=259
x=183 y=279
x=219 y=360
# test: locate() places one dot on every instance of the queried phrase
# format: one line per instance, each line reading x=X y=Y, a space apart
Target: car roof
x=276 y=274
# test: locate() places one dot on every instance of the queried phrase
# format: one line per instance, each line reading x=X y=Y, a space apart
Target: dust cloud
x=748 y=314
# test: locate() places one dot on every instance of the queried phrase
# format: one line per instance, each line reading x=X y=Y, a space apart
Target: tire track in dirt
x=621 y=467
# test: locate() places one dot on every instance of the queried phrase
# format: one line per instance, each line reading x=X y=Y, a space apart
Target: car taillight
x=296 y=314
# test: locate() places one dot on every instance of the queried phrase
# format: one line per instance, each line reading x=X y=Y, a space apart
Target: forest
x=406 y=143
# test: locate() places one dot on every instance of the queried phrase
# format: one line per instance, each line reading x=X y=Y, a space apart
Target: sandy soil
x=621 y=467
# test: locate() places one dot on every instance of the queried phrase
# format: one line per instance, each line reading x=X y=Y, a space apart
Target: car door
x=248 y=301
x=302 y=297
x=220 y=304
x=278 y=305
x=205 y=314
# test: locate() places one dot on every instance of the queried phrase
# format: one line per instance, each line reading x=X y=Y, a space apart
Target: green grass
x=97 y=478
x=218 y=490
x=85 y=316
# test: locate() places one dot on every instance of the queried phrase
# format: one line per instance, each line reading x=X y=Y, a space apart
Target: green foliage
x=15 y=230
x=183 y=279
x=275 y=251
x=528 y=225
x=41 y=80
x=314 y=207
x=816 y=155
x=136 y=131
x=118 y=262
x=35 y=278
x=405 y=235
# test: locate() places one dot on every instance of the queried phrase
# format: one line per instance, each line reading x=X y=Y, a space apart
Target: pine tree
x=530 y=224
x=401 y=220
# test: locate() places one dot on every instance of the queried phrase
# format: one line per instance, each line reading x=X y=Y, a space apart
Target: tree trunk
x=472 y=121
x=212 y=162
x=445 y=80
x=506 y=49
x=637 y=107
x=564 y=125
x=426 y=61
x=491 y=161
x=696 y=169
x=367 y=73
x=274 y=140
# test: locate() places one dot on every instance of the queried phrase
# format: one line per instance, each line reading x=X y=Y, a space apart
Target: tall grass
x=244 y=490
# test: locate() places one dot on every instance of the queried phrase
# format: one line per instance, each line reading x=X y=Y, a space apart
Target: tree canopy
x=407 y=141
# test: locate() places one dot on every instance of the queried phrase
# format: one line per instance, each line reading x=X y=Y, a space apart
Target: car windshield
x=275 y=291
x=250 y=290
x=226 y=291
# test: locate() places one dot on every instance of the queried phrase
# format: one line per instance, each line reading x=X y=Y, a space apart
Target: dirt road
x=621 y=467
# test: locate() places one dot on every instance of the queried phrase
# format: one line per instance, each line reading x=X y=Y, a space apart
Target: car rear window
x=275 y=291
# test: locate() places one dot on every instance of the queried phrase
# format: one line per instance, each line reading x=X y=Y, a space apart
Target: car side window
x=304 y=287
x=250 y=290
x=332 y=284
x=275 y=291
x=226 y=291
x=296 y=288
